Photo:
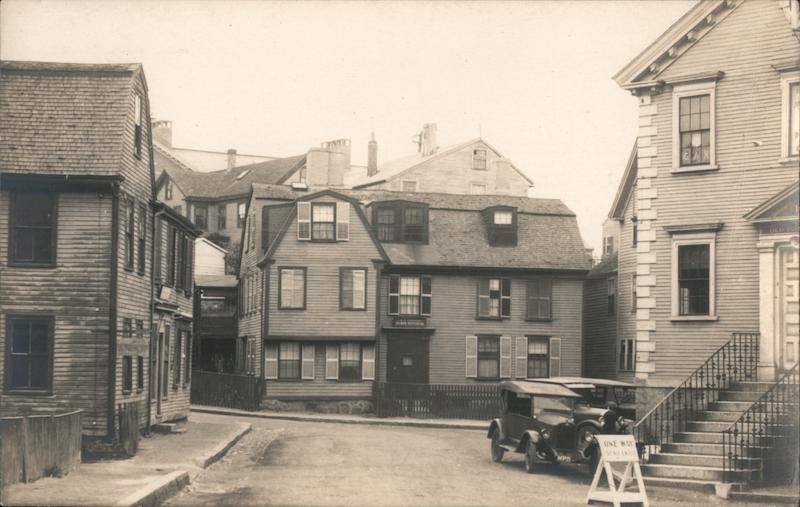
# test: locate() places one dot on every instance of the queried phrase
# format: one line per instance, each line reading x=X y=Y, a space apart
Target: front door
x=407 y=360
x=788 y=307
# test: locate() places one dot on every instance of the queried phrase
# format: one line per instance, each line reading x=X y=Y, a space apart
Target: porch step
x=698 y=437
x=740 y=395
x=730 y=406
x=751 y=386
x=702 y=473
x=711 y=426
x=692 y=484
x=693 y=448
x=699 y=460
x=720 y=415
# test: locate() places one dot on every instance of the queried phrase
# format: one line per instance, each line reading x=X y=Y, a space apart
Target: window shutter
x=346 y=289
x=368 y=362
x=308 y=361
x=426 y=283
x=342 y=221
x=394 y=295
x=359 y=296
x=304 y=221
x=157 y=257
x=271 y=355
x=505 y=298
x=555 y=356
x=332 y=362
x=189 y=264
x=505 y=357
x=472 y=357
x=521 y=366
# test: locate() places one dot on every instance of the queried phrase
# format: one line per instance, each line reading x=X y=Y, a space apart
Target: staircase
x=722 y=426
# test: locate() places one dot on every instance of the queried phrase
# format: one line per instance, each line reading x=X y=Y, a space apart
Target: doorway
x=407 y=359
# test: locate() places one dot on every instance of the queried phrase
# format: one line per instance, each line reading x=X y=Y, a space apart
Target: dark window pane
x=506 y=307
x=34 y=210
x=426 y=305
x=483 y=287
x=537 y=367
x=38 y=367
x=39 y=332
x=20 y=337
x=23 y=244
x=19 y=371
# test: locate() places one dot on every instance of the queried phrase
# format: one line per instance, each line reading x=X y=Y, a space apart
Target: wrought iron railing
x=735 y=361
x=764 y=440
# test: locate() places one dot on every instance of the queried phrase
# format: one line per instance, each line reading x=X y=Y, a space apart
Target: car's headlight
x=602 y=421
x=547 y=435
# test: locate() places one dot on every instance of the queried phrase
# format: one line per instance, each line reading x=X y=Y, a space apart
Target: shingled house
x=76 y=183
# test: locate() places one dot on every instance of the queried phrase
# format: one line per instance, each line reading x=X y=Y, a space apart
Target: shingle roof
x=606 y=267
x=63 y=118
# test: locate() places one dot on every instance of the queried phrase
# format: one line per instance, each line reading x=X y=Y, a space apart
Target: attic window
x=243 y=174
x=168 y=190
x=501 y=226
x=401 y=222
x=137 y=122
x=479 y=159
x=503 y=218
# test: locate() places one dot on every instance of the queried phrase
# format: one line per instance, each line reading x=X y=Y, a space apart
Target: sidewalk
x=462 y=424
x=161 y=468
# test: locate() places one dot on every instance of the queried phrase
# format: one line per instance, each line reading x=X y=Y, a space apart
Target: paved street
x=299 y=463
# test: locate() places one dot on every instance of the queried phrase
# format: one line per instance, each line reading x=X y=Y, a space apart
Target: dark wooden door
x=407 y=360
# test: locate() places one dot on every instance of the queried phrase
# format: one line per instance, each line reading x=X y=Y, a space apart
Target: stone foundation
x=648 y=397
x=354 y=407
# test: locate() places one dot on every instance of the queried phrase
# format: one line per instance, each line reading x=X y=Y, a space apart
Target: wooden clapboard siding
x=454 y=307
x=600 y=330
x=626 y=305
x=76 y=294
x=748 y=109
x=250 y=321
x=320 y=387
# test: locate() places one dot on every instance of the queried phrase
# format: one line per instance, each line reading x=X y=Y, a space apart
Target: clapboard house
x=76 y=183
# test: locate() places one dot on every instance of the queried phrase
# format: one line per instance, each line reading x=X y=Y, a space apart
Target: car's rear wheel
x=530 y=458
x=497 y=451
x=594 y=459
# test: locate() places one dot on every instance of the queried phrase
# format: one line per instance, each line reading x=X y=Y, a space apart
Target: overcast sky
x=275 y=78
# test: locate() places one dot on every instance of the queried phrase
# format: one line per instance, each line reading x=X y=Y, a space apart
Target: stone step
x=701 y=448
x=739 y=395
x=710 y=426
x=699 y=460
x=692 y=484
x=693 y=472
x=730 y=406
x=719 y=415
x=698 y=437
x=750 y=386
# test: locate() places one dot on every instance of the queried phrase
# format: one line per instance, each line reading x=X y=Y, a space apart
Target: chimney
x=231 y=158
x=372 y=156
x=429 y=139
x=162 y=132
x=338 y=160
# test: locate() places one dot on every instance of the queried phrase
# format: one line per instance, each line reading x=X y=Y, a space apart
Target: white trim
x=787 y=79
x=706 y=238
x=689 y=90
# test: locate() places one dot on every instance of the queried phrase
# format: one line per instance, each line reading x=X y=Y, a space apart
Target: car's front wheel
x=497 y=451
x=530 y=458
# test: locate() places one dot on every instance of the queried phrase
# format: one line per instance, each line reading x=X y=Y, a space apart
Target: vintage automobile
x=546 y=421
x=603 y=393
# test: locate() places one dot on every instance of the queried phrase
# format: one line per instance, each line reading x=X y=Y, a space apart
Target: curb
x=770 y=498
x=365 y=421
x=157 y=491
x=219 y=451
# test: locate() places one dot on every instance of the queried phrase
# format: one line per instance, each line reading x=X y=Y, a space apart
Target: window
x=28 y=345
x=178 y=209
x=633 y=293
x=222 y=222
x=137 y=126
x=494 y=298
x=627 y=358
x=289 y=360
x=127 y=327
x=178 y=360
x=518 y=403
x=353 y=289
x=608 y=245
x=693 y=126
x=168 y=191
x=139 y=328
x=539 y=299
x=201 y=217
x=611 y=291
x=130 y=224
x=187 y=370
x=292 y=288
x=172 y=234
x=538 y=357
x=501 y=226
x=33 y=229
x=477 y=188
x=323 y=220
x=139 y=373
x=790 y=117
x=479 y=159
x=127 y=374
x=693 y=279
x=140 y=237
x=350 y=361
x=635 y=230
x=409 y=186
x=401 y=223
x=489 y=357
x=241 y=213
x=410 y=295
x=165 y=363
x=503 y=218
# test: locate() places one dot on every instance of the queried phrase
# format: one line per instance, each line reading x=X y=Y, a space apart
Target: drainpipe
x=112 y=316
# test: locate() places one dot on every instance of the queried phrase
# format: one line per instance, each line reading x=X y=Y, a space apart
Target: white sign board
x=618 y=449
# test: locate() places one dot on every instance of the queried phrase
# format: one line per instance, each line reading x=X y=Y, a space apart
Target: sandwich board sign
x=617 y=449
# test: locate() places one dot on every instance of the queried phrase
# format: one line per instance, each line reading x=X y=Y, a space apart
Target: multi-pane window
x=350 y=361
x=503 y=218
x=794 y=119
x=385 y=221
x=608 y=245
x=494 y=298
x=201 y=217
x=693 y=279
x=222 y=222
x=130 y=225
x=168 y=190
x=293 y=288
x=353 y=289
x=127 y=374
x=241 y=214
x=539 y=299
x=33 y=238
x=611 y=293
x=695 y=129
x=634 y=230
x=413 y=224
x=140 y=238
x=289 y=360
x=28 y=346
x=410 y=295
x=137 y=126
x=538 y=357
x=626 y=355
x=127 y=327
x=403 y=223
x=323 y=222
x=479 y=159
x=139 y=373
x=488 y=357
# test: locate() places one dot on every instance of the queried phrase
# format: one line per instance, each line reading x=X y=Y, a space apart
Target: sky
x=276 y=78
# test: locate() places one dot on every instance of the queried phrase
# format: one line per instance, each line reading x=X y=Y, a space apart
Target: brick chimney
x=429 y=146
x=162 y=132
x=372 y=156
x=231 y=158
x=327 y=165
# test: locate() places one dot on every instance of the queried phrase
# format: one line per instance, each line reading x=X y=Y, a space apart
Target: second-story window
x=137 y=126
x=794 y=119
x=140 y=238
x=608 y=245
x=323 y=222
x=410 y=295
x=695 y=129
x=539 y=299
x=241 y=210
x=292 y=288
x=201 y=217
x=479 y=159
x=353 y=289
x=494 y=298
x=33 y=229
x=611 y=286
x=130 y=225
x=221 y=218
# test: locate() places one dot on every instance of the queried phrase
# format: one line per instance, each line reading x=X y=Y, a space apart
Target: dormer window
x=323 y=221
x=401 y=222
x=479 y=159
x=501 y=225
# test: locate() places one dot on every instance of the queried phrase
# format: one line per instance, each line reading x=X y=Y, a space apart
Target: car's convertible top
x=538 y=387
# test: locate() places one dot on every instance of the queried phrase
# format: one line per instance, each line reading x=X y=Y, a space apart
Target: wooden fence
x=227 y=390
x=36 y=446
x=445 y=401
x=128 y=414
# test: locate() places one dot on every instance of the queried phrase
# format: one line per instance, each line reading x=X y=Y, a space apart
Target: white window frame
x=509 y=213
x=475 y=152
x=690 y=90
x=787 y=79
x=629 y=347
x=704 y=238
